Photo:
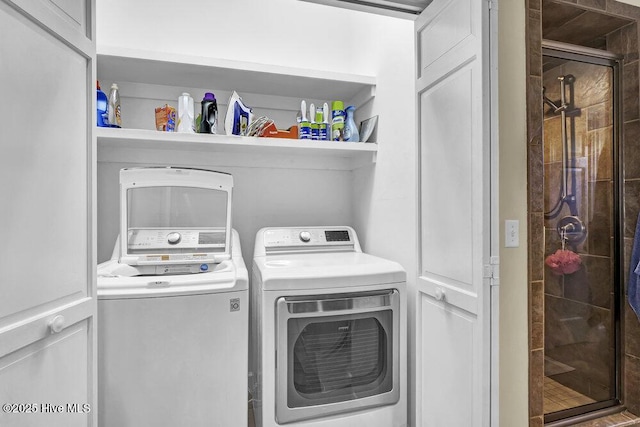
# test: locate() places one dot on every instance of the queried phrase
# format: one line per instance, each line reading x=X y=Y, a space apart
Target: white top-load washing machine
x=328 y=331
x=173 y=305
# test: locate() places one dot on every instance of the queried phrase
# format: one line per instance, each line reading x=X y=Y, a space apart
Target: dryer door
x=336 y=353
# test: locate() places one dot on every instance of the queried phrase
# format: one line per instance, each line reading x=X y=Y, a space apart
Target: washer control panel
x=144 y=239
x=304 y=237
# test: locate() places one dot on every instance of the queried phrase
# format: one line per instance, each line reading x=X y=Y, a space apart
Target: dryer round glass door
x=334 y=350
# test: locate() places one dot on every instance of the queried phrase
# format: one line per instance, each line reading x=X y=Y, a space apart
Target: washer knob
x=173 y=238
x=305 y=236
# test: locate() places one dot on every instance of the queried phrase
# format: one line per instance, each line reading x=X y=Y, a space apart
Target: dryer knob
x=173 y=238
x=305 y=236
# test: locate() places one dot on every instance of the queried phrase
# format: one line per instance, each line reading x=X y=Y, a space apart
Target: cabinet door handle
x=57 y=324
x=439 y=294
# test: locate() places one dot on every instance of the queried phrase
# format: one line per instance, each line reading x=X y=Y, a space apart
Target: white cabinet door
x=456 y=220
x=47 y=252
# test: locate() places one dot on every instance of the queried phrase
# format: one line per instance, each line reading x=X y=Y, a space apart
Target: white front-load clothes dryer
x=173 y=305
x=328 y=331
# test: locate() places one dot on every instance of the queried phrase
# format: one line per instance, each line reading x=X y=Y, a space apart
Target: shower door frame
x=604 y=58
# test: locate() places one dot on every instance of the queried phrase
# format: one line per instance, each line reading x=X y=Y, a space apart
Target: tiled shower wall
x=624 y=41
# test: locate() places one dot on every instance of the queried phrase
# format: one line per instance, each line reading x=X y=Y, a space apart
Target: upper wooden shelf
x=129 y=65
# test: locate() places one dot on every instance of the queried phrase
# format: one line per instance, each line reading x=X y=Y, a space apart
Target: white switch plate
x=511 y=233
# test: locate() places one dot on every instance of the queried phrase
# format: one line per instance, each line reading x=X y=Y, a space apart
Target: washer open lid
x=174 y=216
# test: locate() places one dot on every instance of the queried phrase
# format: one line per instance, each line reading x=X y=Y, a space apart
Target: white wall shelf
x=159 y=68
x=180 y=149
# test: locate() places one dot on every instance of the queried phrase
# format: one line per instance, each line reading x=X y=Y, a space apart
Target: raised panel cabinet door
x=47 y=199
x=457 y=216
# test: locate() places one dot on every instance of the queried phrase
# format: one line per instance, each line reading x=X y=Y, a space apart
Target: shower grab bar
x=564 y=196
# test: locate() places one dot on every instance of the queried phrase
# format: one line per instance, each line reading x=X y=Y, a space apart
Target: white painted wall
x=379 y=201
x=261 y=197
x=514 y=343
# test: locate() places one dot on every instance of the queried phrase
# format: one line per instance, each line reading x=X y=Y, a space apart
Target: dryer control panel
x=311 y=237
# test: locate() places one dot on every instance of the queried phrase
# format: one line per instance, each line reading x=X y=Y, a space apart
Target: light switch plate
x=511 y=233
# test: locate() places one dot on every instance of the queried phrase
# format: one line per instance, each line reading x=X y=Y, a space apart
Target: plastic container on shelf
x=102 y=107
x=337 y=121
x=186 y=122
x=209 y=114
x=115 y=119
x=351 y=133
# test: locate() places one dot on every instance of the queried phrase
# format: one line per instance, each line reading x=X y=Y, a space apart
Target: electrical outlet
x=511 y=233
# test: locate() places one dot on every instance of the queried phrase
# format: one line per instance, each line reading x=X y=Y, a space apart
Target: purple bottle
x=209 y=115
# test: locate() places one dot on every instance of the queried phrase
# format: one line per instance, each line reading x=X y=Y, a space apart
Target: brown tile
x=552 y=137
x=624 y=42
x=535 y=5
x=632 y=331
x=536 y=422
x=536 y=320
x=623 y=9
x=536 y=246
x=551 y=238
x=552 y=190
x=632 y=384
x=553 y=283
x=594 y=4
x=536 y=383
x=592 y=284
x=598 y=218
x=631 y=206
x=631 y=149
x=589 y=28
x=630 y=92
x=593 y=83
x=556 y=14
x=551 y=85
x=608 y=421
x=599 y=116
x=534 y=110
x=628 y=247
x=534 y=43
x=632 y=417
x=600 y=154
x=536 y=179
x=580 y=336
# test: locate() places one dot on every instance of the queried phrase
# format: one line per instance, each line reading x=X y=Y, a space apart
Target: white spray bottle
x=323 y=128
x=305 y=128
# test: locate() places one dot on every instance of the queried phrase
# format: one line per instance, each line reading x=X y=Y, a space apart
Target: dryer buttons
x=305 y=236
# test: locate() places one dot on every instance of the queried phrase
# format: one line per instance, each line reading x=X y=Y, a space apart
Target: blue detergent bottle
x=102 y=107
x=351 y=133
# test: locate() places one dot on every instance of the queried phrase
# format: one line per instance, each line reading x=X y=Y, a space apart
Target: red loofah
x=564 y=262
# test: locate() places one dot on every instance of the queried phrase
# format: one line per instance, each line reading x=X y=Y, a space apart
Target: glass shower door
x=581 y=235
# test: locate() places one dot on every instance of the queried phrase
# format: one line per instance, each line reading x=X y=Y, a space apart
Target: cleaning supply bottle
x=319 y=125
x=314 y=124
x=102 y=107
x=186 y=122
x=351 y=133
x=305 y=127
x=337 y=120
x=115 y=120
x=323 y=132
x=209 y=120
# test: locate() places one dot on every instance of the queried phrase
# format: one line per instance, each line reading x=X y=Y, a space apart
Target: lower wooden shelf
x=141 y=146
